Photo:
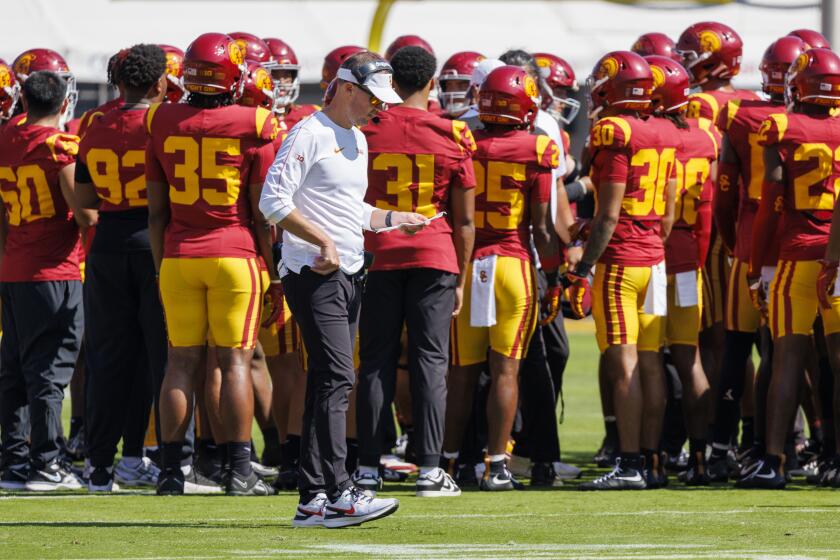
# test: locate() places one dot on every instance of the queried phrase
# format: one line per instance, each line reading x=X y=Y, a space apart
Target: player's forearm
x=565 y=219
x=670 y=209
x=601 y=232
x=463 y=225
x=86 y=196
x=764 y=227
x=157 y=231
x=300 y=227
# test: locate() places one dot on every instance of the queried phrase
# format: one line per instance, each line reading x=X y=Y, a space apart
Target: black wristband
x=582 y=269
x=552 y=278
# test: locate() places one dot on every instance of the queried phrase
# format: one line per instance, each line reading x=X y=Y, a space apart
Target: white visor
x=380 y=84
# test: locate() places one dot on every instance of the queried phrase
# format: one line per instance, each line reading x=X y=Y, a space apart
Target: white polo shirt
x=320 y=170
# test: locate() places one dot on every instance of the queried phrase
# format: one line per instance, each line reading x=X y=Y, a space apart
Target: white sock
x=450 y=454
x=368 y=470
x=426 y=470
x=496 y=458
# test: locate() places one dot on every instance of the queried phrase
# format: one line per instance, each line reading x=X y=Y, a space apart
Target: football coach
x=315 y=192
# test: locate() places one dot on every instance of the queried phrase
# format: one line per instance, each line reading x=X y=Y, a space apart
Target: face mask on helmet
x=453 y=102
x=72 y=97
x=563 y=109
x=286 y=84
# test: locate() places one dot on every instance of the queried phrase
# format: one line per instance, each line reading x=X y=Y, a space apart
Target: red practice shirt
x=42 y=238
x=415 y=160
x=511 y=167
x=209 y=158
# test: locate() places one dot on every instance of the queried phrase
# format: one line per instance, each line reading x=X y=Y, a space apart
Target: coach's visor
x=380 y=84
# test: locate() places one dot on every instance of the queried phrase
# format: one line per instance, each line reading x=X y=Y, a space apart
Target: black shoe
x=696 y=474
x=654 y=474
x=13 y=477
x=675 y=463
x=825 y=471
x=543 y=475
x=286 y=480
x=465 y=475
x=764 y=476
x=499 y=481
x=195 y=482
x=617 y=479
x=607 y=454
x=272 y=455
x=252 y=485
x=170 y=483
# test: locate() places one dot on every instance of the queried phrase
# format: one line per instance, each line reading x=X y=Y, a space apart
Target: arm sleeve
x=575 y=191
x=287 y=174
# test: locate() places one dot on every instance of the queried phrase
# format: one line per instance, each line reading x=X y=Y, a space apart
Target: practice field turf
x=563 y=523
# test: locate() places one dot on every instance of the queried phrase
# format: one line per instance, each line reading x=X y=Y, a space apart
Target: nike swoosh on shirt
x=337 y=150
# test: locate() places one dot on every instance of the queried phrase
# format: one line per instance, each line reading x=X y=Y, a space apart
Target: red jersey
x=72 y=126
x=414 y=160
x=708 y=104
x=88 y=117
x=807 y=145
x=209 y=158
x=740 y=120
x=511 y=167
x=297 y=113
x=42 y=238
x=641 y=154
x=697 y=151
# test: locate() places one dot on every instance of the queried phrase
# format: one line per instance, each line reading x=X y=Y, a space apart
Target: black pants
x=326 y=309
x=125 y=336
x=423 y=299
x=541 y=385
x=42 y=333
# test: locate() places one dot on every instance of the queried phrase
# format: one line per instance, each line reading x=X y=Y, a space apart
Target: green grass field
x=563 y=523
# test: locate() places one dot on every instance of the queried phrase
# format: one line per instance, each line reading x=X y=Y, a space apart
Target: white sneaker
x=565 y=471
x=371 y=483
x=52 y=477
x=436 y=484
x=143 y=473
x=311 y=514
x=520 y=466
x=354 y=507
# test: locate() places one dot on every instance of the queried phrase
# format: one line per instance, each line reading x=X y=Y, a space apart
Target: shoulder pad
x=773 y=129
x=610 y=132
x=62 y=144
x=463 y=137
x=548 y=153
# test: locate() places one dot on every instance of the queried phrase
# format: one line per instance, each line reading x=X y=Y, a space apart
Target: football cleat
x=465 y=475
x=763 y=476
x=717 y=470
x=436 y=484
x=520 y=466
x=607 y=454
x=566 y=471
x=499 y=481
x=354 y=507
x=145 y=473
x=264 y=471
x=370 y=483
x=695 y=474
x=197 y=483
x=311 y=514
x=619 y=478
x=101 y=479
x=50 y=477
x=654 y=474
x=251 y=485
x=170 y=483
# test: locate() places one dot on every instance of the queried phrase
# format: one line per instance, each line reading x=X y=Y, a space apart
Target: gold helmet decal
x=801 y=62
x=236 y=52
x=531 y=87
x=608 y=69
x=23 y=63
x=709 y=41
x=262 y=80
x=173 y=65
x=658 y=76
x=5 y=76
x=542 y=62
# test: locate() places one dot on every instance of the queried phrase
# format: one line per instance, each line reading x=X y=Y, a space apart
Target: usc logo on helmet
x=531 y=87
x=236 y=52
x=262 y=80
x=801 y=62
x=540 y=61
x=173 y=65
x=609 y=68
x=23 y=63
x=658 y=76
x=5 y=76
x=709 y=41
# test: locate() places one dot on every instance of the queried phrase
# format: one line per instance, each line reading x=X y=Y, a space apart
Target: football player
x=499 y=313
x=41 y=288
x=333 y=61
x=9 y=92
x=454 y=82
x=35 y=60
x=285 y=72
x=711 y=53
x=800 y=189
x=255 y=49
x=685 y=252
x=633 y=166
x=735 y=206
x=407 y=41
x=656 y=44
x=205 y=162
x=123 y=315
x=416 y=280
x=812 y=39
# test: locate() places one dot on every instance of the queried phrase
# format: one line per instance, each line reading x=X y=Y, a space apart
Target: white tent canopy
x=88 y=32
